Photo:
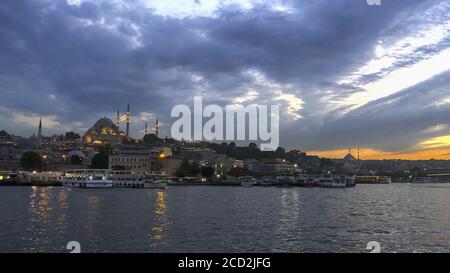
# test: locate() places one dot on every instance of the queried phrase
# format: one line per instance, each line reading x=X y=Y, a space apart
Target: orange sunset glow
x=433 y=148
x=373 y=154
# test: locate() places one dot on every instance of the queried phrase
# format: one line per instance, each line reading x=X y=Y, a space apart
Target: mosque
x=106 y=131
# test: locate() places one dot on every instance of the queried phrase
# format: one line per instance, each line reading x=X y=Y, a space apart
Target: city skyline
x=345 y=75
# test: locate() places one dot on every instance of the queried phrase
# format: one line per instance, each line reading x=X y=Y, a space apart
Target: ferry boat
x=385 y=180
x=266 y=182
x=305 y=180
x=157 y=181
x=373 y=179
x=7 y=178
x=285 y=181
x=156 y=184
x=331 y=181
x=86 y=179
x=350 y=181
x=247 y=181
x=127 y=179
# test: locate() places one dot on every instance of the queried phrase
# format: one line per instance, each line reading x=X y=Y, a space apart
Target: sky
x=345 y=74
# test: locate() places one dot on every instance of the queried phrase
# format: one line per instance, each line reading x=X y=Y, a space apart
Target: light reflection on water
x=39 y=213
x=92 y=217
x=403 y=218
x=158 y=230
x=63 y=205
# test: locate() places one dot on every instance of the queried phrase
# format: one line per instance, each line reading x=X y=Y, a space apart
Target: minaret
x=40 y=129
x=118 y=117
x=157 y=128
x=146 y=129
x=40 y=132
x=128 y=120
x=358 y=153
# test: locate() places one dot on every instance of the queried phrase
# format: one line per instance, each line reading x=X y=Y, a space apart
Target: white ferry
x=331 y=181
x=157 y=184
x=156 y=181
x=94 y=178
x=127 y=179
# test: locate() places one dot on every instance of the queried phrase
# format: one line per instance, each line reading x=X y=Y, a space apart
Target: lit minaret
x=157 y=128
x=146 y=129
x=128 y=120
x=118 y=117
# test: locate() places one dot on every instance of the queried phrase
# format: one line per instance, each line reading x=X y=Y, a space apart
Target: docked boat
x=305 y=180
x=421 y=180
x=331 y=181
x=8 y=178
x=285 y=181
x=350 y=181
x=127 y=179
x=156 y=184
x=266 y=182
x=373 y=179
x=247 y=181
x=385 y=180
x=156 y=181
x=86 y=179
x=308 y=183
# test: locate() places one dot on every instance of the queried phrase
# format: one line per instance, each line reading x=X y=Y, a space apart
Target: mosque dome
x=104 y=130
x=349 y=157
x=77 y=153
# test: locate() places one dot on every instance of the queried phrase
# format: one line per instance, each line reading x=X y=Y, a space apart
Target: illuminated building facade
x=138 y=161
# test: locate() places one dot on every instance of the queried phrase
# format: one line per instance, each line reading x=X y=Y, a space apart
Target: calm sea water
x=401 y=217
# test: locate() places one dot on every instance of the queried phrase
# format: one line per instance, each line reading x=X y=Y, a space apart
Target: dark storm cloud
x=81 y=62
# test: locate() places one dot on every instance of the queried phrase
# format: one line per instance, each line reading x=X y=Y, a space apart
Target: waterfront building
x=136 y=160
x=267 y=166
x=161 y=152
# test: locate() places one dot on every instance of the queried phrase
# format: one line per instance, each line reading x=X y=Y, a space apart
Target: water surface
x=402 y=217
